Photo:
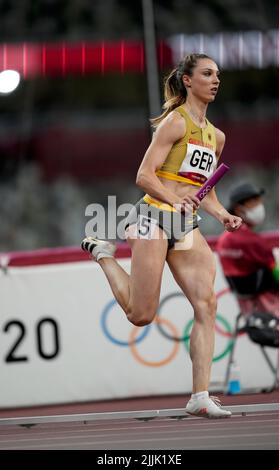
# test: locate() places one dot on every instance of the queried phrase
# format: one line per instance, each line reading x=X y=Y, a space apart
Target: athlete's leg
x=138 y=293
x=194 y=270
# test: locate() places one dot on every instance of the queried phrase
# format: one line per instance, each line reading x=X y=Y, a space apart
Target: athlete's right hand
x=187 y=204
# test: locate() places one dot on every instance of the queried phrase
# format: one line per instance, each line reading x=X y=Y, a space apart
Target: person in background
x=247 y=261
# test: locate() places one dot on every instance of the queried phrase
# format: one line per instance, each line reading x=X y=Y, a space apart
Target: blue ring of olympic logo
x=185 y=337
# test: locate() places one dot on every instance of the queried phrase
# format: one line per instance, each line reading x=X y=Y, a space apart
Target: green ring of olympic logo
x=225 y=323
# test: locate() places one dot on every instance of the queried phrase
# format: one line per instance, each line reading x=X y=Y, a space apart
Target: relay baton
x=210 y=183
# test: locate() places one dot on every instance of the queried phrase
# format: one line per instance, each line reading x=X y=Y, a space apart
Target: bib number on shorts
x=146 y=227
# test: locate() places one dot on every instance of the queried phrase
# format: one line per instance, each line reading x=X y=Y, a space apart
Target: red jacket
x=243 y=252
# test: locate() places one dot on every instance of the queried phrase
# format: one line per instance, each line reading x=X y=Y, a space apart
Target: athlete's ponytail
x=175 y=92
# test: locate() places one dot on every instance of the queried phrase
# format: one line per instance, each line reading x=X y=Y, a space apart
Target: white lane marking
x=195 y=421
x=41 y=436
x=143 y=427
x=188 y=418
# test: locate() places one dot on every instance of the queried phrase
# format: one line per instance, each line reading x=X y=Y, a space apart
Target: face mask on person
x=255 y=215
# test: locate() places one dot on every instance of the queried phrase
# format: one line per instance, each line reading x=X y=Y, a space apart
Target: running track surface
x=259 y=430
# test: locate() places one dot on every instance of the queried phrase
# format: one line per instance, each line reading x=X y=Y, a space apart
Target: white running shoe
x=206 y=407
x=98 y=248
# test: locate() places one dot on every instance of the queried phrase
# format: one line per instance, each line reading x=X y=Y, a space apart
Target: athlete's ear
x=186 y=80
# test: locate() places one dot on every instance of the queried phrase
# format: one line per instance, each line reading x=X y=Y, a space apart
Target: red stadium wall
x=72 y=254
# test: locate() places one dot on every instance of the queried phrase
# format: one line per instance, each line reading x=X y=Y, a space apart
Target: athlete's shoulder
x=220 y=141
x=220 y=136
x=173 y=123
x=175 y=117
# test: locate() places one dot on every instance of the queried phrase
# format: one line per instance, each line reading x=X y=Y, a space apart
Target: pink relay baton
x=210 y=183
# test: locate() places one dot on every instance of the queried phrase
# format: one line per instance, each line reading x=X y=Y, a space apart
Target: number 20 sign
x=53 y=349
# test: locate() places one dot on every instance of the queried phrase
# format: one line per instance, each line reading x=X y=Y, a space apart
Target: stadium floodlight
x=9 y=80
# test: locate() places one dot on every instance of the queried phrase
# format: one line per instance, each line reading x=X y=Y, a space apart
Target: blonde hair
x=175 y=93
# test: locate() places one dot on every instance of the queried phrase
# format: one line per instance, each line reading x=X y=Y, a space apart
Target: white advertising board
x=64 y=339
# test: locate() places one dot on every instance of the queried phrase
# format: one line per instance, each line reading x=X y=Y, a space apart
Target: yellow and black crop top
x=192 y=159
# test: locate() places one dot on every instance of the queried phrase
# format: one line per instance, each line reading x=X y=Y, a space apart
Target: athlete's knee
x=139 y=321
x=206 y=306
x=140 y=317
x=212 y=303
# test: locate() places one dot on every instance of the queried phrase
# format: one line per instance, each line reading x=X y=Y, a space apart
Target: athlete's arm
x=171 y=129
x=211 y=203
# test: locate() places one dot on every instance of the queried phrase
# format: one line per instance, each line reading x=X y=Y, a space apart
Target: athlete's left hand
x=231 y=222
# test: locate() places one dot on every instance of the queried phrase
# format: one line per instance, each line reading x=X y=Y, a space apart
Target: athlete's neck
x=197 y=112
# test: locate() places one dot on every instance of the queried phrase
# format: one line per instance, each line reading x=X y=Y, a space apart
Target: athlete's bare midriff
x=179 y=188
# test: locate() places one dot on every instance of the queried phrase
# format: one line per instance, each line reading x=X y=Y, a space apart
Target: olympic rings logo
x=205 y=191
x=168 y=330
